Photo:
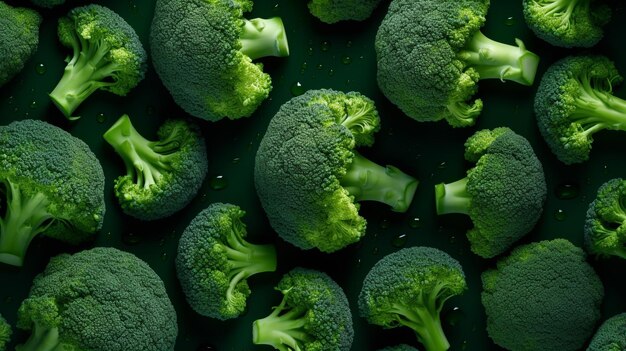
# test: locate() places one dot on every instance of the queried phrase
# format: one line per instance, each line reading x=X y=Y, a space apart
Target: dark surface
x=432 y=152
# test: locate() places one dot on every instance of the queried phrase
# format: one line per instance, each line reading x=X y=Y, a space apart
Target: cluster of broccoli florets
x=19 y=37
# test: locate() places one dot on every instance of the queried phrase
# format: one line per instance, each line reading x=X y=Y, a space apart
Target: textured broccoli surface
x=574 y=101
x=605 y=227
x=408 y=288
x=543 y=297
x=5 y=333
x=162 y=176
x=203 y=52
x=333 y=11
x=309 y=178
x=314 y=315
x=611 y=336
x=19 y=37
x=51 y=183
x=503 y=194
x=402 y=347
x=48 y=3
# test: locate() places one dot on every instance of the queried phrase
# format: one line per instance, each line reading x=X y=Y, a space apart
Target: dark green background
x=322 y=56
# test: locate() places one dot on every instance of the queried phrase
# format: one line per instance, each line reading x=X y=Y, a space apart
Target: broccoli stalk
x=42 y=338
x=264 y=37
x=282 y=329
x=452 y=197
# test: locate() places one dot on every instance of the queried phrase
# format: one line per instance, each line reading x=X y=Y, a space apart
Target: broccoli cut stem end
x=452 y=197
x=264 y=37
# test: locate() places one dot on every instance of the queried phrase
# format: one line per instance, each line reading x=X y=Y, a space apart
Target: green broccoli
x=5 y=333
x=402 y=347
x=567 y=23
x=214 y=260
x=101 y=299
x=409 y=288
x=308 y=175
x=50 y=184
x=203 y=52
x=543 y=297
x=611 y=336
x=503 y=194
x=574 y=101
x=107 y=55
x=48 y=3
x=314 y=315
x=605 y=227
x=162 y=176
x=19 y=37
x=431 y=55
x=333 y=11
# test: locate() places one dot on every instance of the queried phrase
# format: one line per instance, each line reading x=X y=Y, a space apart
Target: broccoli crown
x=605 y=227
x=543 y=296
x=611 y=336
x=48 y=3
x=99 y=299
x=203 y=52
x=162 y=176
x=402 y=347
x=19 y=37
x=5 y=333
x=333 y=11
x=574 y=101
x=214 y=260
x=314 y=315
x=409 y=288
x=567 y=23
x=53 y=185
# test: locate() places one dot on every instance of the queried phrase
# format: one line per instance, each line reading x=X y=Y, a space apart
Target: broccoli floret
x=611 y=336
x=314 y=315
x=309 y=177
x=214 y=261
x=107 y=55
x=203 y=52
x=333 y=11
x=50 y=184
x=574 y=101
x=567 y=23
x=5 y=333
x=543 y=297
x=431 y=55
x=101 y=299
x=605 y=227
x=503 y=194
x=409 y=288
x=402 y=347
x=162 y=176
x=48 y=3
x=19 y=37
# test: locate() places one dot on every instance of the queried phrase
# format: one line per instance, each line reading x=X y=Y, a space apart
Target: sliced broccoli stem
x=492 y=59
x=264 y=37
x=284 y=332
x=452 y=197
x=367 y=181
x=596 y=108
x=42 y=339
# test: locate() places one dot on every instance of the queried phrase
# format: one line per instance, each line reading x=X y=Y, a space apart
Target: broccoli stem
x=426 y=323
x=42 y=339
x=452 y=197
x=264 y=37
x=596 y=108
x=284 y=332
x=492 y=59
x=367 y=181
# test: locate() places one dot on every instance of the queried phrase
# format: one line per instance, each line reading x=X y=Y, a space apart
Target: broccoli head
x=5 y=333
x=431 y=55
x=543 y=297
x=203 y=52
x=503 y=194
x=101 y=299
x=402 y=347
x=107 y=55
x=50 y=184
x=162 y=176
x=48 y=3
x=408 y=288
x=309 y=178
x=605 y=227
x=611 y=336
x=214 y=260
x=333 y=11
x=574 y=101
x=314 y=315
x=19 y=37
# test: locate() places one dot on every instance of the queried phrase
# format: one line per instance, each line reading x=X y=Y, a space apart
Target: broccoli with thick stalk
x=402 y=347
x=162 y=176
x=574 y=101
x=543 y=297
x=611 y=336
x=605 y=227
x=408 y=288
x=107 y=55
x=48 y=3
x=567 y=23
x=314 y=315
x=101 y=299
x=431 y=55
x=333 y=11
x=503 y=194
x=50 y=184
x=5 y=333
x=214 y=262
x=19 y=38
x=203 y=52
x=310 y=178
